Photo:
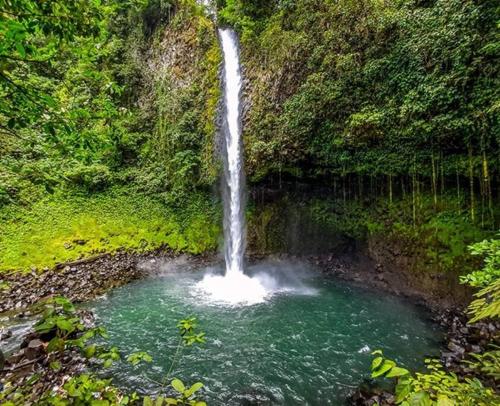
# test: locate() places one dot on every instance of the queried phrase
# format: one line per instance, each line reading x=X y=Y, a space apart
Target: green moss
x=67 y=227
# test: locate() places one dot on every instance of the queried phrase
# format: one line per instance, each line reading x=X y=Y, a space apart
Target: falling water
x=234 y=219
x=234 y=287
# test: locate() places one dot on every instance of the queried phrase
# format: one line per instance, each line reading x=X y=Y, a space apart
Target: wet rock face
x=465 y=339
x=78 y=280
x=405 y=265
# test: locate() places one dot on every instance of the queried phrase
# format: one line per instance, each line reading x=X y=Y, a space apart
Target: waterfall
x=234 y=288
x=233 y=182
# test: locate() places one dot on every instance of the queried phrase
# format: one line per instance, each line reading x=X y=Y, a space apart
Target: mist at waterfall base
x=307 y=343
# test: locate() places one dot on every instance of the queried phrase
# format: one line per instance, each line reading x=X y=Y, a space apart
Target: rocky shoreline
x=32 y=370
x=79 y=280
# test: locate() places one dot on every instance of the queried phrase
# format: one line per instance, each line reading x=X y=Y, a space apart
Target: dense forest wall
x=395 y=95
x=129 y=100
x=180 y=95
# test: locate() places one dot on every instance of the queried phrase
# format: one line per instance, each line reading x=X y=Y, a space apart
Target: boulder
x=34 y=349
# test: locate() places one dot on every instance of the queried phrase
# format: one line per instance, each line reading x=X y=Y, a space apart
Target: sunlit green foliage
x=487 y=363
x=486 y=304
x=490 y=251
x=66 y=227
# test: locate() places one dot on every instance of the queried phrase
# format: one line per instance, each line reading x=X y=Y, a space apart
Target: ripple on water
x=309 y=344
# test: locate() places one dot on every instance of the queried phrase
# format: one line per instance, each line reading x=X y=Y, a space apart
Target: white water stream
x=234 y=287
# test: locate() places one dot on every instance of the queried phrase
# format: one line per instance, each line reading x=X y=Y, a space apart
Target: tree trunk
x=390 y=188
x=471 y=185
x=434 y=180
x=487 y=185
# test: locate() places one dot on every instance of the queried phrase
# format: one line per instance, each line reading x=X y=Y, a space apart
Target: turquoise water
x=309 y=343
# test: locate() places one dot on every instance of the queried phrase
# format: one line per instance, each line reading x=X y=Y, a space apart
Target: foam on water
x=264 y=280
x=232 y=289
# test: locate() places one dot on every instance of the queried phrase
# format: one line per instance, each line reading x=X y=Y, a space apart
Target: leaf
x=444 y=400
x=178 y=385
x=171 y=401
x=65 y=325
x=376 y=362
x=60 y=300
x=386 y=366
x=195 y=387
x=397 y=372
x=419 y=399
x=147 y=401
x=56 y=344
x=99 y=403
x=159 y=401
x=200 y=403
x=46 y=326
x=377 y=352
x=89 y=351
x=107 y=363
x=20 y=49
x=403 y=389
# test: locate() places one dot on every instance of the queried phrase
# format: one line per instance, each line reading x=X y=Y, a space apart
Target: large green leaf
x=195 y=387
x=396 y=372
x=178 y=385
x=386 y=366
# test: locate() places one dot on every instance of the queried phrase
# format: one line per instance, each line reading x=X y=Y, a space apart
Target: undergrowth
x=67 y=227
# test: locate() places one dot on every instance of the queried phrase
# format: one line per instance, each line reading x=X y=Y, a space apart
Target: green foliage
x=490 y=250
x=486 y=304
x=77 y=109
x=138 y=357
x=33 y=34
x=188 y=331
x=61 y=319
x=182 y=97
x=67 y=120
x=89 y=390
x=67 y=227
x=185 y=396
x=385 y=367
x=370 y=87
x=436 y=387
x=61 y=322
x=487 y=363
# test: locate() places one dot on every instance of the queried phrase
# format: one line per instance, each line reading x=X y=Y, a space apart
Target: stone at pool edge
x=34 y=349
